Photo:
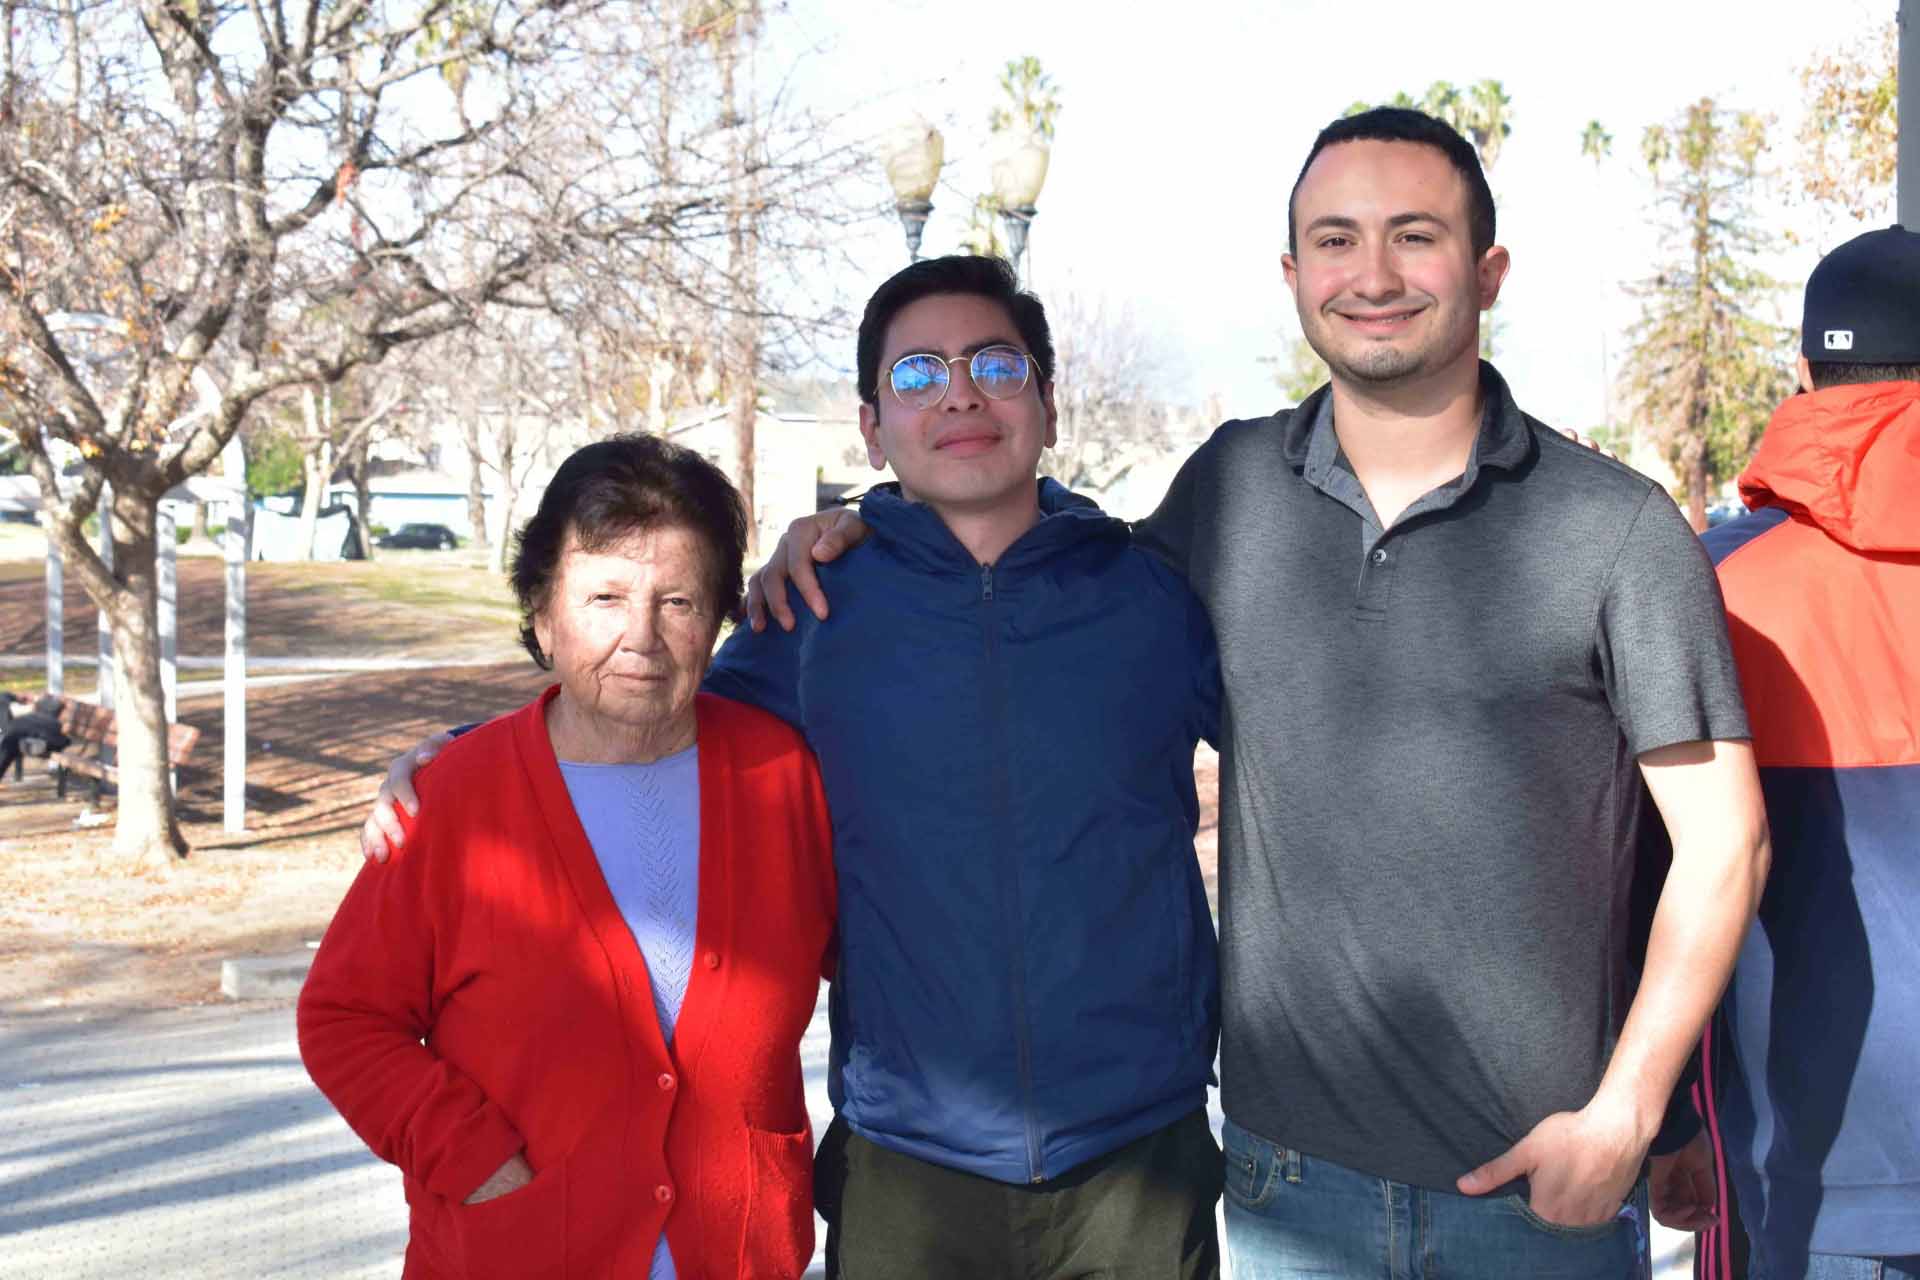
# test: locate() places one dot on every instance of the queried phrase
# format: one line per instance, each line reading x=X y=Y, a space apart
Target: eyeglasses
x=920 y=381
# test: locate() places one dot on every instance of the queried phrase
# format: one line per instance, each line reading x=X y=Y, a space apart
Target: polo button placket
x=663 y=1193
x=1376 y=582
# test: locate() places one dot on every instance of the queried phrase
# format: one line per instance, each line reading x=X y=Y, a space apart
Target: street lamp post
x=914 y=154
x=1019 y=171
x=913 y=168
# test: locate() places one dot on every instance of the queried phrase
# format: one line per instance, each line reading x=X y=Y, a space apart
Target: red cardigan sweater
x=493 y=938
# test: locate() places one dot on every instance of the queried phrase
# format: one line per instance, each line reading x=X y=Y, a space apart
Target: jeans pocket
x=1595 y=1231
x=1252 y=1167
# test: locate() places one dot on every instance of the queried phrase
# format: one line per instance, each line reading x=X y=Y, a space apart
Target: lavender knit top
x=643 y=821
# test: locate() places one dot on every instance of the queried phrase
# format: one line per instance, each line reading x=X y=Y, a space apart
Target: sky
x=1184 y=125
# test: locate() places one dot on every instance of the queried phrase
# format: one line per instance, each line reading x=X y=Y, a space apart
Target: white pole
x=166 y=564
x=233 y=806
x=1907 y=153
x=56 y=617
x=169 y=611
x=103 y=692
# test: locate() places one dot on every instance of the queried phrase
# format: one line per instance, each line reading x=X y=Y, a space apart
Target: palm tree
x=1597 y=144
x=1487 y=119
x=1482 y=113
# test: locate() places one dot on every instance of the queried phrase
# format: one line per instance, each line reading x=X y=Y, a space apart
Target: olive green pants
x=1142 y=1212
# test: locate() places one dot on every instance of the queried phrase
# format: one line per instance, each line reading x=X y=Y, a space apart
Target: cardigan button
x=663 y=1193
x=665 y=1081
x=712 y=959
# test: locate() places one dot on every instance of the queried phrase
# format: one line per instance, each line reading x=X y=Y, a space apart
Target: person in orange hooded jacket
x=1818 y=1114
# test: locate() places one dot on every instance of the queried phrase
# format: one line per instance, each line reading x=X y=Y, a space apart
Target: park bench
x=90 y=746
x=30 y=749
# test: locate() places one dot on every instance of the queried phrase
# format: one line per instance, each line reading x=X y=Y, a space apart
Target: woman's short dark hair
x=970 y=274
x=614 y=488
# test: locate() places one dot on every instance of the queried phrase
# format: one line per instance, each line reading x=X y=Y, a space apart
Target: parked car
x=433 y=537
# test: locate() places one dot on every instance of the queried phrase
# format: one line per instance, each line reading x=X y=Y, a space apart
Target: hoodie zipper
x=1010 y=894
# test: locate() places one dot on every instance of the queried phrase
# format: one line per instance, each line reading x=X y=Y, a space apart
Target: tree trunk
x=7 y=10
x=70 y=33
x=146 y=832
x=317 y=471
x=743 y=327
x=509 y=494
x=660 y=393
x=476 y=491
x=360 y=467
x=1697 y=492
x=509 y=501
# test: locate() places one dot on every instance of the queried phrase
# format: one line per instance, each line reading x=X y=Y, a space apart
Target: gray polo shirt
x=1428 y=790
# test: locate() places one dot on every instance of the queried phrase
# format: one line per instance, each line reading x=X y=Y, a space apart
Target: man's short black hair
x=623 y=485
x=1404 y=124
x=960 y=273
x=1832 y=373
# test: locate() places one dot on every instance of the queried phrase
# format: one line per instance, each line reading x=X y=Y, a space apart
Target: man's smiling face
x=969 y=452
x=1385 y=278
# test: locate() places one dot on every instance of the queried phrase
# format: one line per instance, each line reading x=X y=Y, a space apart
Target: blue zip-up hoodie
x=1027 y=974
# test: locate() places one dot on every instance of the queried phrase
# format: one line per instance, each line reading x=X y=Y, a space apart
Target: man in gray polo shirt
x=1459 y=651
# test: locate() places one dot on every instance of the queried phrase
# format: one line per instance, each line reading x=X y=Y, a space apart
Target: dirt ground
x=78 y=934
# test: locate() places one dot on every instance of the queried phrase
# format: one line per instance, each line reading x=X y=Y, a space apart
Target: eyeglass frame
x=1027 y=362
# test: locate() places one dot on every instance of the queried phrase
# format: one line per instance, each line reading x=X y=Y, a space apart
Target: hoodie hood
x=915 y=532
x=1848 y=460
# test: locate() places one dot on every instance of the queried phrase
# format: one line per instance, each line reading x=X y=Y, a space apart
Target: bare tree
x=520 y=404
x=340 y=424
x=183 y=183
x=1107 y=368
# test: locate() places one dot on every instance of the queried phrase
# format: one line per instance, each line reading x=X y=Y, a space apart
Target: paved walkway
x=189 y=1143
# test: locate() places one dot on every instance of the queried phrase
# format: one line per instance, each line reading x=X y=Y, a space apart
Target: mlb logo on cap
x=1863 y=302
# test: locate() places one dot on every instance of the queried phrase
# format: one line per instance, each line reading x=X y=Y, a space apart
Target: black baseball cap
x=1863 y=301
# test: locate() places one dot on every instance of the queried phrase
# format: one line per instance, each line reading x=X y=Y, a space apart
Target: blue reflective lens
x=919 y=380
x=999 y=372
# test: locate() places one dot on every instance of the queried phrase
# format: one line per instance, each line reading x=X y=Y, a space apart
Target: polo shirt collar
x=1505 y=441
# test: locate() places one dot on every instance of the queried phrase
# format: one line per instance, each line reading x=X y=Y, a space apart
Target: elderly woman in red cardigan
x=571 y=1009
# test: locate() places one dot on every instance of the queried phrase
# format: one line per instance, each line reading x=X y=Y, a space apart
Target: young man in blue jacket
x=1005 y=704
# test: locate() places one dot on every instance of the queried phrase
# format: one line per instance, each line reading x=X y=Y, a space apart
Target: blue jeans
x=1292 y=1216
x=1836 y=1266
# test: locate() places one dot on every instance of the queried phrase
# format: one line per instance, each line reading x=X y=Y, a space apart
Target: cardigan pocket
x=777 y=1241
x=520 y=1234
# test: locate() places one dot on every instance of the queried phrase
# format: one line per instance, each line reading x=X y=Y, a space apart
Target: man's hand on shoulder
x=382 y=833
x=1590 y=442
x=810 y=540
x=1579 y=1165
